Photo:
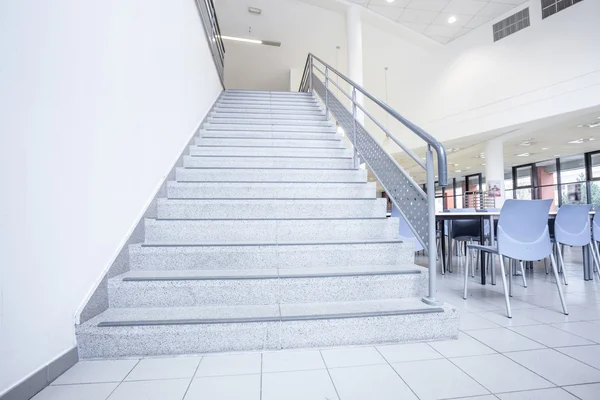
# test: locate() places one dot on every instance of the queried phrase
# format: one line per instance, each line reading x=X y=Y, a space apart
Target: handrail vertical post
x=354 y=125
x=326 y=93
x=431 y=245
x=310 y=75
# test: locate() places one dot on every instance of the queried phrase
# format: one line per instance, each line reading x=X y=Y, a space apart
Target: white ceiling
x=430 y=17
x=543 y=139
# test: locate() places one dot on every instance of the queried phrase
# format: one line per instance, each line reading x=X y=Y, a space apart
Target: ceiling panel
x=431 y=17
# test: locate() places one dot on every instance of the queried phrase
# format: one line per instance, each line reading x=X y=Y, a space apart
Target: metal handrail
x=416 y=206
x=430 y=140
x=208 y=15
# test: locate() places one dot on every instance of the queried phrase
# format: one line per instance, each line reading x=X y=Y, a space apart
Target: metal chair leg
x=523 y=274
x=560 y=293
x=546 y=266
x=506 y=296
x=562 y=263
x=466 y=278
x=594 y=248
x=510 y=276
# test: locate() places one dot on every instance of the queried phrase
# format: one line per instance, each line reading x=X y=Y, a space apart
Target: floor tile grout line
x=394 y=369
x=329 y=374
x=123 y=380
x=261 y=374
x=469 y=375
x=193 y=377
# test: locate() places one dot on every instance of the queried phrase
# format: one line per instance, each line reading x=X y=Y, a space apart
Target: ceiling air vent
x=550 y=7
x=512 y=24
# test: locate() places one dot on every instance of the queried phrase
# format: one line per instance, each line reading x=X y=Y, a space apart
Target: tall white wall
x=549 y=68
x=97 y=101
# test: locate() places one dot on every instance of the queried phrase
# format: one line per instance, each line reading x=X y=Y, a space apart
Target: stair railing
x=208 y=15
x=416 y=206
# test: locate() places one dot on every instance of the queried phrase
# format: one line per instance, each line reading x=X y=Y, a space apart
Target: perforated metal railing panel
x=404 y=192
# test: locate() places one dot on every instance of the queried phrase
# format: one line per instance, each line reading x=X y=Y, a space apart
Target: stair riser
x=266 y=175
x=270 y=152
x=212 y=121
x=289 y=95
x=270 y=190
x=312 y=111
x=268 y=128
x=277 y=102
x=270 y=135
x=257 y=162
x=264 y=291
x=269 y=231
x=218 y=116
x=196 y=339
x=261 y=210
x=258 y=142
x=255 y=257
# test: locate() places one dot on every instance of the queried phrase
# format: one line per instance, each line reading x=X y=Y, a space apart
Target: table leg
x=481 y=253
x=450 y=245
x=492 y=258
x=443 y=245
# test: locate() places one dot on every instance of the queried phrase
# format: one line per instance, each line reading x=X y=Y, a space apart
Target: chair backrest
x=596 y=226
x=464 y=229
x=572 y=225
x=523 y=229
x=406 y=234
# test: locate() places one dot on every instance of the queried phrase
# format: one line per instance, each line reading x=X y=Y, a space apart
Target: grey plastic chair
x=522 y=235
x=572 y=228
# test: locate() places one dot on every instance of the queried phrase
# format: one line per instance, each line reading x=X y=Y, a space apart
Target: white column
x=355 y=53
x=494 y=167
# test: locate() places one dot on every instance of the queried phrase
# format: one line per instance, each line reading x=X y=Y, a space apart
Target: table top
x=479 y=214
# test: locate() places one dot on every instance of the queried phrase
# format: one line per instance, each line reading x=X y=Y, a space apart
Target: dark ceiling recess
x=512 y=24
x=551 y=7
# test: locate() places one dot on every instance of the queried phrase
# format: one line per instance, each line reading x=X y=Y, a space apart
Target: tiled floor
x=538 y=354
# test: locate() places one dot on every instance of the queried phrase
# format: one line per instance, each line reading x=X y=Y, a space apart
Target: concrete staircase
x=269 y=238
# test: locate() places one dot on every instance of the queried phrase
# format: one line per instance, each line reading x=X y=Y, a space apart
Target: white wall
x=97 y=101
x=550 y=68
x=301 y=28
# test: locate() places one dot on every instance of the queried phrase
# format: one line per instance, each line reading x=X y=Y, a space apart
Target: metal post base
x=431 y=302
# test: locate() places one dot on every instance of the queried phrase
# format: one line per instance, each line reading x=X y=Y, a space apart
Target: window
x=551 y=7
x=512 y=24
x=573 y=180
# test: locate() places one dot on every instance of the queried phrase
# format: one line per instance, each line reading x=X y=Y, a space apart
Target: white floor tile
x=470 y=321
x=500 y=374
x=168 y=389
x=408 y=352
x=499 y=318
x=464 y=346
x=379 y=382
x=281 y=361
x=438 y=379
x=503 y=340
x=556 y=367
x=541 y=394
x=544 y=315
x=298 y=385
x=235 y=387
x=585 y=392
x=587 y=330
x=352 y=357
x=96 y=372
x=229 y=364
x=589 y=355
x=550 y=336
x=164 y=368
x=95 y=391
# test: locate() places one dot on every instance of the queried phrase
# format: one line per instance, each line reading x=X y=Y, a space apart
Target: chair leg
x=546 y=266
x=466 y=278
x=506 y=297
x=523 y=274
x=594 y=247
x=560 y=293
x=510 y=276
x=562 y=263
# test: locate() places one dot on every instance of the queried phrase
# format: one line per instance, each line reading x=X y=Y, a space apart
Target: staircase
x=269 y=238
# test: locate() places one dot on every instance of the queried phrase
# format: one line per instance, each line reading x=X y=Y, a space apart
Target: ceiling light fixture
x=544 y=148
x=452 y=150
x=524 y=155
x=483 y=164
x=390 y=1
x=458 y=170
x=254 y=10
x=452 y=19
x=577 y=141
x=526 y=142
x=253 y=41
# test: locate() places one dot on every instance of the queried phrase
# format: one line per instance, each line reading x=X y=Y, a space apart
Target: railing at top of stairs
x=416 y=206
x=208 y=15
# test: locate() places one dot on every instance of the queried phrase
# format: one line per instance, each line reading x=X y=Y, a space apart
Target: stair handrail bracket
x=415 y=205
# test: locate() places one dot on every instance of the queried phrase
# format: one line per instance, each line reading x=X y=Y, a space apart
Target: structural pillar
x=494 y=169
x=355 y=52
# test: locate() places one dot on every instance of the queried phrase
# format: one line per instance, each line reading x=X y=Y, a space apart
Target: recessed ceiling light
x=451 y=20
x=556 y=155
x=544 y=148
x=526 y=142
x=577 y=141
x=591 y=139
x=458 y=170
x=390 y=1
x=254 y=10
x=253 y=41
x=452 y=150
x=482 y=163
x=467 y=167
x=524 y=155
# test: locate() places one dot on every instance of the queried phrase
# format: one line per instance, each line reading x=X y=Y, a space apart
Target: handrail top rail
x=430 y=140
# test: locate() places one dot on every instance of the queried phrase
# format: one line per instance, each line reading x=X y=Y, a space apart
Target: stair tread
x=254 y=313
x=263 y=243
x=269 y=273
x=277 y=201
